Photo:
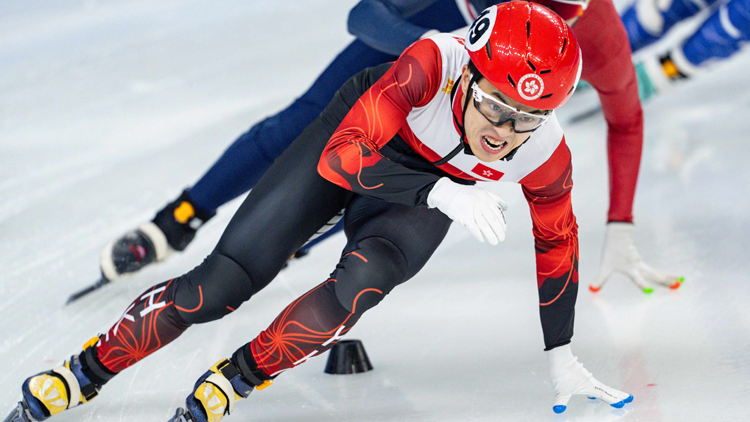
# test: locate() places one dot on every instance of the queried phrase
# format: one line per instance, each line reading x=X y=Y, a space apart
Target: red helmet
x=527 y=52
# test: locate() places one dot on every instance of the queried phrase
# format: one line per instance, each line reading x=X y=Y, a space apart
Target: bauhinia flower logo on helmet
x=527 y=52
x=530 y=86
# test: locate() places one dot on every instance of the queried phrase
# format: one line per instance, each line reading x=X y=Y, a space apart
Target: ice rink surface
x=109 y=108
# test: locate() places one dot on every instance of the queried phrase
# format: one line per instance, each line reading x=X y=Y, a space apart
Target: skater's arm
x=352 y=158
x=383 y=25
x=608 y=67
x=547 y=191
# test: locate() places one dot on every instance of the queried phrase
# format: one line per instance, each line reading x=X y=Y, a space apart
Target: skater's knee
x=368 y=273
x=212 y=290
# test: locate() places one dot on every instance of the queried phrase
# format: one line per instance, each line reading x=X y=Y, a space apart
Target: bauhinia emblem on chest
x=487 y=172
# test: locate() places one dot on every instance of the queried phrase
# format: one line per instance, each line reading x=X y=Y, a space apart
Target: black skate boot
x=216 y=392
x=172 y=229
x=49 y=393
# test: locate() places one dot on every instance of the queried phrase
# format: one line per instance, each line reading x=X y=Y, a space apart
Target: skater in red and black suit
x=383 y=29
x=400 y=148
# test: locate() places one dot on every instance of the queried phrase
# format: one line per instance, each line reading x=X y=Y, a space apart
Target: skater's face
x=491 y=142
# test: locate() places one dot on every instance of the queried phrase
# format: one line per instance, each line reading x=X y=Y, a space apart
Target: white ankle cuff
x=225 y=386
x=73 y=386
x=161 y=247
x=108 y=267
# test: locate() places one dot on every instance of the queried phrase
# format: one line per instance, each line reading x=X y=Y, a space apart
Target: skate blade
x=92 y=288
x=19 y=414
x=181 y=415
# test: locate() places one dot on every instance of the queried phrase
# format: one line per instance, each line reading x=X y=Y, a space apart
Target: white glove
x=473 y=207
x=620 y=255
x=569 y=377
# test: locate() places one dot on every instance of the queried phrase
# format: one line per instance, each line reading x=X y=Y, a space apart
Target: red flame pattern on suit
x=351 y=160
x=299 y=333
x=555 y=229
x=548 y=192
x=148 y=324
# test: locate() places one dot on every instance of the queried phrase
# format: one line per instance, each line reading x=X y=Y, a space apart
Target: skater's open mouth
x=493 y=144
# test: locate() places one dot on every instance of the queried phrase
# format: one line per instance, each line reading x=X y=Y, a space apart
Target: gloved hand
x=473 y=207
x=569 y=377
x=620 y=255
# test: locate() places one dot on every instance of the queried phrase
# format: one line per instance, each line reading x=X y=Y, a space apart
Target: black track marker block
x=348 y=357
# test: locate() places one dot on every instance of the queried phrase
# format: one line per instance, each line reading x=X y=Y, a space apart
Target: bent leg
x=289 y=204
x=388 y=244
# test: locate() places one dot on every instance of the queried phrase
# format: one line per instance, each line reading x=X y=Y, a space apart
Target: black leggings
x=387 y=245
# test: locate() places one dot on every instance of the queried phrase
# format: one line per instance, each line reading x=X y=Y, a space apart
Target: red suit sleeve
x=547 y=190
x=352 y=160
x=608 y=67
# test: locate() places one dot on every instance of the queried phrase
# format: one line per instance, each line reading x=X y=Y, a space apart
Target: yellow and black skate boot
x=77 y=381
x=51 y=392
x=216 y=392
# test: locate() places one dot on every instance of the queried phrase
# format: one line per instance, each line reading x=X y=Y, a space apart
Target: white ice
x=109 y=108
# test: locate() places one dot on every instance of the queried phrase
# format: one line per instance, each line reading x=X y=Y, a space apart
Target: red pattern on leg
x=147 y=325
x=307 y=327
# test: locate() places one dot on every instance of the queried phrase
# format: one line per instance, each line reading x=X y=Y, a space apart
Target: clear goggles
x=498 y=113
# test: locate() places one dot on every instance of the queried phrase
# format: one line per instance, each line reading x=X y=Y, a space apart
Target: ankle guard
x=248 y=369
x=91 y=367
x=179 y=221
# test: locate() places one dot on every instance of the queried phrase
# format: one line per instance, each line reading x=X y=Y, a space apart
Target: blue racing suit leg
x=248 y=158
x=721 y=34
x=646 y=21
